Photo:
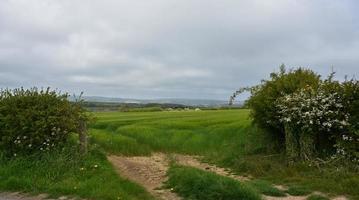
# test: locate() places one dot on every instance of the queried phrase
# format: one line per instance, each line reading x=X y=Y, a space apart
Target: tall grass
x=65 y=172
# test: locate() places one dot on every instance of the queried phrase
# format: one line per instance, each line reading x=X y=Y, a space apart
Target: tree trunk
x=291 y=145
x=307 y=146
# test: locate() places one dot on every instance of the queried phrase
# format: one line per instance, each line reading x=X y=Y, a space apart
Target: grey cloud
x=171 y=48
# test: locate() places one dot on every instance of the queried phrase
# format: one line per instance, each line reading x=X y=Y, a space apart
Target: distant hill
x=187 y=102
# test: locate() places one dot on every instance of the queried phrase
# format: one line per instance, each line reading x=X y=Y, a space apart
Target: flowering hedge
x=312 y=117
x=35 y=120
x=321 y=120
x=264 y=96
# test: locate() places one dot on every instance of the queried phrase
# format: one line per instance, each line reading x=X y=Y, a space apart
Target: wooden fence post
x=83 y=137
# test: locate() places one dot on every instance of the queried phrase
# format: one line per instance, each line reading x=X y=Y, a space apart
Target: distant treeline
x=134 y=107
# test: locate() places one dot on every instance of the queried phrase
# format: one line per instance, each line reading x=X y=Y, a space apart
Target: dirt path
x=150 y=172
x=21 y=196
x=299 y=198
x=17 y=196
x=194 y=161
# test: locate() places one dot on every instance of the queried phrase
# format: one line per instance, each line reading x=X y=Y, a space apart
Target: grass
x=223 y=137
x=317 y=197
x=67 y=173
x=190 y=132
x=302 y=178
x=196 y=184
x=266 y=188
x=298 y=191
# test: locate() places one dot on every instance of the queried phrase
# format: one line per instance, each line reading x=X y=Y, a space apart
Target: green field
x=188 y=132
x=224 y=137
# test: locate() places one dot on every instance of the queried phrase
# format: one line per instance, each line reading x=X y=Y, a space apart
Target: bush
x=309 y=115
x=317 y=119
x=347 y=140
x=35 y=120
x=311 y=118
x=264 y=96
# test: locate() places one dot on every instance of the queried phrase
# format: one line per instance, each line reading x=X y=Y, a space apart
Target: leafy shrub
x=317 y=116
x=35 y=120
x=309 y=116
x=348 y=141
x=264 y=96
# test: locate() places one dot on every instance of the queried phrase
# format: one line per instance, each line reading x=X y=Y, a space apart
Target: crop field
x=226 y=138
x=188 y=132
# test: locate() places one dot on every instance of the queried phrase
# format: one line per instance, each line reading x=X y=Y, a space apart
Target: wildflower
x=95 y=166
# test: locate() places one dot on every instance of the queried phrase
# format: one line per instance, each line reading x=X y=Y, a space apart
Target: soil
x=150 y=172
x=21 y=196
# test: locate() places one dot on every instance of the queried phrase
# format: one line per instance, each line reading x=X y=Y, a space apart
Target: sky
x=203 y=49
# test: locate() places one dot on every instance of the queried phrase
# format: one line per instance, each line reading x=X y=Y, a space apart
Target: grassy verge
x=301 y=178
x=266 y=188
x=195 y=184
x=67 y=173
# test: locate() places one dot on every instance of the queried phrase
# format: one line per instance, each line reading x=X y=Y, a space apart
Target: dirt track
x=19 y=196
x=150 y=172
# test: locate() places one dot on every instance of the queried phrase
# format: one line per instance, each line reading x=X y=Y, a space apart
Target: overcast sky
x=171 y=48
